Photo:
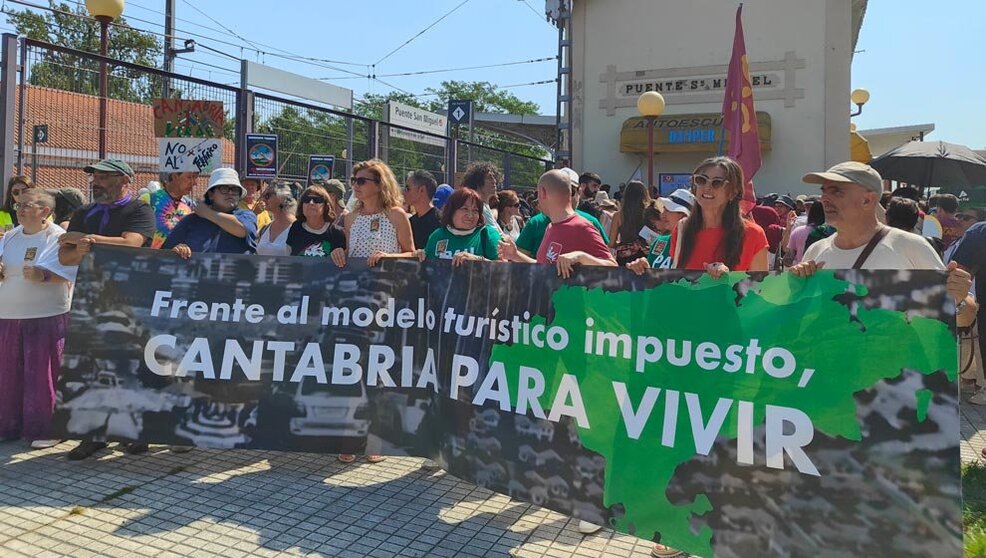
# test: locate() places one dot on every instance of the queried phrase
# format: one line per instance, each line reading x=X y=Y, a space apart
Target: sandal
x=661 y=551
x=347 y=457
x=374 y=458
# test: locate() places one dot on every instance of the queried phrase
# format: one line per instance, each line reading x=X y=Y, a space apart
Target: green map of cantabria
x=836 y=357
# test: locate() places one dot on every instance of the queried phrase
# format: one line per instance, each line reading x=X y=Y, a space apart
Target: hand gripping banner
x=751 y=415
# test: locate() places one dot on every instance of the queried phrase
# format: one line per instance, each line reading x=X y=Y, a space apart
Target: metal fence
x=58 y=87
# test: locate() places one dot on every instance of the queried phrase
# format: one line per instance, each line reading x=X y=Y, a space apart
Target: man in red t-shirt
x=570 y=238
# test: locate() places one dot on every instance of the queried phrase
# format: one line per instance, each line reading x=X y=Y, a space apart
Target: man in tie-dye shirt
x=170 y=203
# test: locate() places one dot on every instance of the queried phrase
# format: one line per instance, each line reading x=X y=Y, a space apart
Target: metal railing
x=58 y=87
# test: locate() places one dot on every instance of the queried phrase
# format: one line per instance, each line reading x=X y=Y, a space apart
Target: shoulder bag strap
x=865 y=254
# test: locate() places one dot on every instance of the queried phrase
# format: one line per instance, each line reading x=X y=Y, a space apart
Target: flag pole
x=722 y=128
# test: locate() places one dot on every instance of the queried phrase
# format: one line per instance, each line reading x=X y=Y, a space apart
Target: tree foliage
x=486 y=97
x=68 y=25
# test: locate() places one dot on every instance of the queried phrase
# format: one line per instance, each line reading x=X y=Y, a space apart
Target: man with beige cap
x=850 y=197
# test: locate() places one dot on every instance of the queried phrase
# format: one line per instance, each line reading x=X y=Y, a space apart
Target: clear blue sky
x=923 y=61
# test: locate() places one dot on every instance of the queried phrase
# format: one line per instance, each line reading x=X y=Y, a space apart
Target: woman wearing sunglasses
x=314 y=234
x=716 y=238
x=218 y=225
x=507 y=209
x=378 y=227
x=16 y=186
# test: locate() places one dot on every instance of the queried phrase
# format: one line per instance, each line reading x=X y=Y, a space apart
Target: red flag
x=739 y=115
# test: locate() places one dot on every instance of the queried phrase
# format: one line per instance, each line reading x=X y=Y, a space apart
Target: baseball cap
x=849 y=172
x=441 y=195
x=680 y=201
x=335 y=187
x=110 y=165
x=225 y=177
x=573 y=176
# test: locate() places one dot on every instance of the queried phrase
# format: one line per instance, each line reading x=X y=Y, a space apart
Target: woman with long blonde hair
x=378 y=227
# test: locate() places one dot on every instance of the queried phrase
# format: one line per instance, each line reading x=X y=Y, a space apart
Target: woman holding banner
x=378 y=227
x=218 y=225
x=282 y=205
x=35 y=296
x=464 y=235
x=716 y=238
x=313 y=234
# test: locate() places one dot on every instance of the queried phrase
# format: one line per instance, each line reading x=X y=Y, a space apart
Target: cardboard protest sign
x=182 y=118
x=190 y=154
x=719 y=417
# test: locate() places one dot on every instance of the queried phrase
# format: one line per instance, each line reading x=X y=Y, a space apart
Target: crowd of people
x=568 y=220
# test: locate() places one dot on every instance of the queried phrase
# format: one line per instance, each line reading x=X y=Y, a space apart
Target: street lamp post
x=105 y=12
x=859 y=98
x=651 y=106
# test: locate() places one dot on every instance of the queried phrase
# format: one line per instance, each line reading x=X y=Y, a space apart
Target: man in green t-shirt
x=531 y=235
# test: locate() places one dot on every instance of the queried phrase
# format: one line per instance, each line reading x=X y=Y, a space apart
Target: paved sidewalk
x=233 y=504
x=973 y=428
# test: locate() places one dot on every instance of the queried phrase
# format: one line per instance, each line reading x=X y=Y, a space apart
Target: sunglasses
x=965 y=218
x=702 y=180
x=317 y=200
x=226 y=189
x=361 y=180
x=267 y=195
x=18 y=191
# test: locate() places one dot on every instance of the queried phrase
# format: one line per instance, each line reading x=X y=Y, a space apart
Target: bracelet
x=961 y=306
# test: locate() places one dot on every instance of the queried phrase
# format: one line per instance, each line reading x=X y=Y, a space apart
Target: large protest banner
x=750 y=416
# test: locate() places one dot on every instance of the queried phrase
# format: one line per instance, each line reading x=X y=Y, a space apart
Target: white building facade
x=799 y=54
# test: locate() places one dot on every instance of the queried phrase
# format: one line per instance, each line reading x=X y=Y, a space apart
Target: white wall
x=810 y=133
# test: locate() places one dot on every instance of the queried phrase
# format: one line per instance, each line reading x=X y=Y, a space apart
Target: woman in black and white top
x=378 y=227
x=313 y=234
x=273 y=239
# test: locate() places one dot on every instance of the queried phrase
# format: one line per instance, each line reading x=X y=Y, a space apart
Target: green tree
x=69 y=25
x=404 y=155
x=485 y=96
x=304 y=132
x=372 y=104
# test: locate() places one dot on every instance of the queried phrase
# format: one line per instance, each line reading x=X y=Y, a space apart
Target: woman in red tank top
x=716 y=238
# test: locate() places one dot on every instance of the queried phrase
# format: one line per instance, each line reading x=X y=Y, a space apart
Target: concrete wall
x=804 y=45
